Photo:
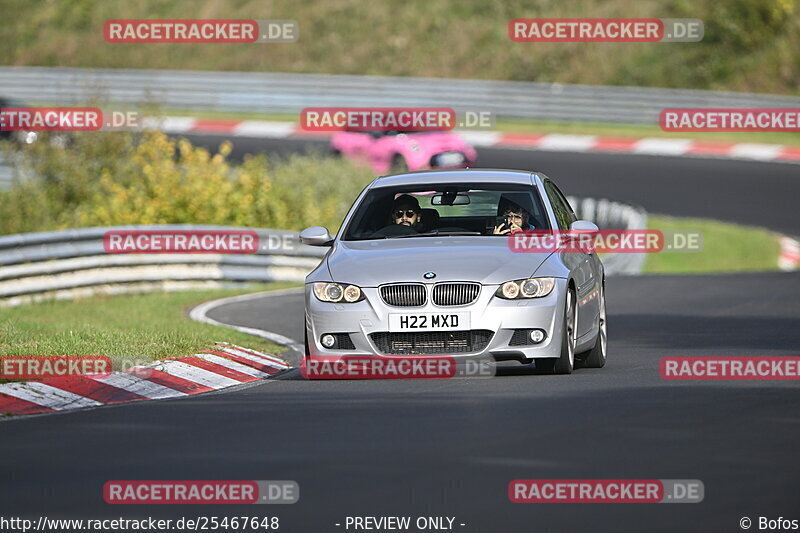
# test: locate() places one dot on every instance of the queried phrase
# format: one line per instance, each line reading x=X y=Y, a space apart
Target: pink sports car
x=400 y=151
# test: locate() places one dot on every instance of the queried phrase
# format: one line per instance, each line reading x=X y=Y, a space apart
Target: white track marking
x=662 y=146
x=261 y=128
x=47 y=396
x=558 y=142
x=198 y=375
x=137 y=385
x=263 y=359
x=761 y=152
x=480 y=138
x=199 y=313
x=170 y=124
x=233 y=365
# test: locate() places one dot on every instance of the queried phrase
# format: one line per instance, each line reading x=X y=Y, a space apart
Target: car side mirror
x=583 y=225
x=316 y=236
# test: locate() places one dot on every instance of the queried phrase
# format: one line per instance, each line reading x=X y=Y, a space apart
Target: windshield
x=470 y=209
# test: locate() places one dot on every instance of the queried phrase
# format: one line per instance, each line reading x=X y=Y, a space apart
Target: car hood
x=487 y=260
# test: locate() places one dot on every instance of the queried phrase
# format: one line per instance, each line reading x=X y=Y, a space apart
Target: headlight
x=338 y=292
x=526 y=288
x=509 y=290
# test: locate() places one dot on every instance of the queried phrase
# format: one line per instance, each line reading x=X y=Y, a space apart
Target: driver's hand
x=499 y=231
x=514 y=229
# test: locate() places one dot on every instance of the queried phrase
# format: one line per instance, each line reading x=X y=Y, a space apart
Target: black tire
x=596 y=357
x=304 y=362
x=399 y=164
x=566 y=362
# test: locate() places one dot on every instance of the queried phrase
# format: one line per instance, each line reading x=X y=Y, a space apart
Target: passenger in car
x=514 y=218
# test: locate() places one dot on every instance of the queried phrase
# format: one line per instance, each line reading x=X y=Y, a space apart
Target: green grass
x=726 y=248
x=749 y=45
x=131 y=329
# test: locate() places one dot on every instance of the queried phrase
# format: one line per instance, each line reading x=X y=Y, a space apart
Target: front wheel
x=566 y=361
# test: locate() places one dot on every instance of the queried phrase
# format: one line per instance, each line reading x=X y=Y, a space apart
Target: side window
x=564 y=214
x=571 y=212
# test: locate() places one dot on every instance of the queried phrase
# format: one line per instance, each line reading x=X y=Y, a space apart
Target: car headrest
x=430 y=219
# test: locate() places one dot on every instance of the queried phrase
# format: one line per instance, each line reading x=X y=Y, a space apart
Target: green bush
x=112 y=178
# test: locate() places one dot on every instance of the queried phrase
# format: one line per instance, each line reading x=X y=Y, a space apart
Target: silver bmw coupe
x=424 y=265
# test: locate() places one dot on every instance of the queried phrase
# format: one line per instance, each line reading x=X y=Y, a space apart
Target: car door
x=580 y=264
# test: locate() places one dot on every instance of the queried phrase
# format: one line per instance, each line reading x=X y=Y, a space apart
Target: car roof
x=460 y=175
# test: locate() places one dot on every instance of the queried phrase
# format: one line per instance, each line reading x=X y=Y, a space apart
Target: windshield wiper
x=435 y=233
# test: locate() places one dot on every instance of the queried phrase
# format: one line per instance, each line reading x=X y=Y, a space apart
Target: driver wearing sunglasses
x=406 y=211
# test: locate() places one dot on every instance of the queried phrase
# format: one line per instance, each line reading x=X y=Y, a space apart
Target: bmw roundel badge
x=429 y=275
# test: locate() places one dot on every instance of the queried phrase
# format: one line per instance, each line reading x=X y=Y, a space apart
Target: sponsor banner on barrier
x=53 y=366
x=605 y=30
x=606 y=491
x=181 y=242
x=730 y=368
x=200 y=31
x=637 y=241
x=205 y=492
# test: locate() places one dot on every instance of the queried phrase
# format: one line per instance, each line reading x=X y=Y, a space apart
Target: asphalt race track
x=450 y=447
x=746 y=192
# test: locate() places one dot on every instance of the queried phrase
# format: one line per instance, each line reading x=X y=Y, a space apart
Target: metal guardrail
x=6 y=173
x=608 y=214
x=278 y=92
x=73 y=263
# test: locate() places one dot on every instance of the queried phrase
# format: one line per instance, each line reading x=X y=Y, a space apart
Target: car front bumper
x=488 y=313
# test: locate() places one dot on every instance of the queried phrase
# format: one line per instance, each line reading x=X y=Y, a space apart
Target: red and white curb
x=555 y=142
x=789 y=258
x=224 y=366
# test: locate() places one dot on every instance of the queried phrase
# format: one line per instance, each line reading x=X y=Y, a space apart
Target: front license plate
x=428 y=321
